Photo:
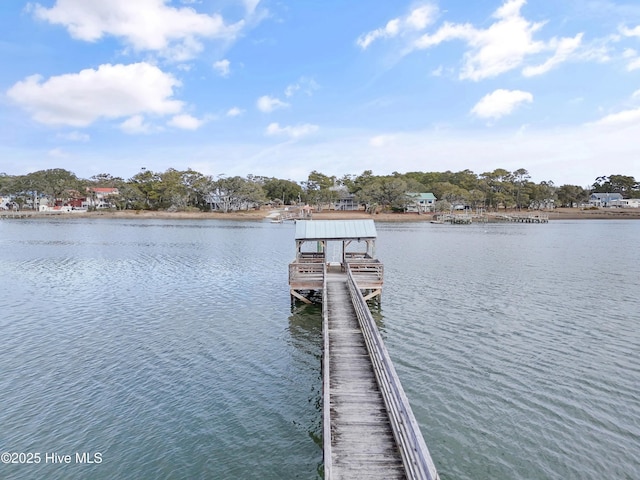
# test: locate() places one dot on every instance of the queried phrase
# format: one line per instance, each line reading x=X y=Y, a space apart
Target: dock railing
x=326 y=403
x=371 y=268
x=415 y=454
x=306 y=274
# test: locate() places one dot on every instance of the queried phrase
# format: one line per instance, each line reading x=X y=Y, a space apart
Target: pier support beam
x=300 y=297
x=372 y=294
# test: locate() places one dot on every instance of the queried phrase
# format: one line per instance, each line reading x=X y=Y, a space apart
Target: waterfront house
x=100 y=197
x=626 y=203
x=604 y=199
x=346 y=201
x=420 y=202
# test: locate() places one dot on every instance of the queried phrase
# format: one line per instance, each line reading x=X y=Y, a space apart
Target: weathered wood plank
x=362 y=441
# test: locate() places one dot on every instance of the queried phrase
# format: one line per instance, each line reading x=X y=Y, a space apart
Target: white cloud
x=500 y=103
x=291 y=89
x=185 y=122
x=630 y=32
x=391 y=29
x=632 y=56
x=222 y=67
x=297 y=131
x=251 y=5
x=74 y=136
x=495 y=50
x=146 y=25
x=564 y=48
x=417 y=19
x=421 y=17
x=626 y=117
x=502 y=46
x=135 y=125
x=269 y=104
x=307 y=85
x=111 y=91
x=234 y=112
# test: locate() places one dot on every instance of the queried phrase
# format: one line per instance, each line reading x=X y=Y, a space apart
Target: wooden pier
x=524 y=218
x=17 y=214
x=455 y=218
x=369 y=430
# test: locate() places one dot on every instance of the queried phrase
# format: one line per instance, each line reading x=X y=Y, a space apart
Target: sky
x=283 y=87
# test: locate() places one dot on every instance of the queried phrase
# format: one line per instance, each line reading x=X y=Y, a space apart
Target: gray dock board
x=363 y=445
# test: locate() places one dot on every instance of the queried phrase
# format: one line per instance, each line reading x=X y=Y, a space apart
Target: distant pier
x=469 y=218
x=524 y=217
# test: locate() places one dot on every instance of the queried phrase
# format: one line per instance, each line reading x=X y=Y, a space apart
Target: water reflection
x=305 y=329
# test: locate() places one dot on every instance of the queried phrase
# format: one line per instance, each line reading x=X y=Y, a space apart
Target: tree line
x=184 y=190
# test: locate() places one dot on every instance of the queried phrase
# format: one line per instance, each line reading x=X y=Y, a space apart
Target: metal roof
x=421 y=196
x=335 y=229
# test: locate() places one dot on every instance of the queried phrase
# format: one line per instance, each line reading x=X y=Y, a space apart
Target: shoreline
x=260 y=215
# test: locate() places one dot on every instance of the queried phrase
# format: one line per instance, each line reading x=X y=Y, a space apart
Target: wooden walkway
x=368 y=427
x=362 y=442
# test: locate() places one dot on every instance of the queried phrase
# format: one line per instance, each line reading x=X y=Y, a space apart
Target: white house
x=604 y=199
x=626 y=203
x=100 y=197
x=421 y=202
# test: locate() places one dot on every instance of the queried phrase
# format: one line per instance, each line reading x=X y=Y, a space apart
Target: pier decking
x=369 y=431
x=362 y=442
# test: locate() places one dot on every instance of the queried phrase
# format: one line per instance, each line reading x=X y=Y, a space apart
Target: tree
x=56 y=183
x=198 y=187
x=498 y=188
x=236 y=193
x=146 y=190
x=570 y=195
x=451 y=193
x=477 y=198
x=542 y=195
x=106 y=180
x=318 y=189
x=465 y=179
x=519 y=179
x=286 y=191
x=388 y=192
x=622 y=184
x=443 y=206
x=53 y=182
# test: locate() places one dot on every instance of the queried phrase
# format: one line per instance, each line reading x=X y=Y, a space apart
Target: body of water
x=170 y=349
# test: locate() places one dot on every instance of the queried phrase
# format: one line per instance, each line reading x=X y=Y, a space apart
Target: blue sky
x=283 y=87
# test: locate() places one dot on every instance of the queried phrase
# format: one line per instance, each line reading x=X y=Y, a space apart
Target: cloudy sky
x=283 y=87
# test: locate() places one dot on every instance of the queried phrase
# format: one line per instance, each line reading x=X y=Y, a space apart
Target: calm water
x=172 y=349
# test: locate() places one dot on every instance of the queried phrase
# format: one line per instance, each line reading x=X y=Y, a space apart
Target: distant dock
x=524 y=218
x=18 y=213
x=469 y=218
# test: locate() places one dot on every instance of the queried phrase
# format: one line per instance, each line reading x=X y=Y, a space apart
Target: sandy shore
x=260 y=215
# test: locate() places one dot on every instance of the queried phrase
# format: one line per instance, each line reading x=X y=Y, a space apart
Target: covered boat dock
x=326 y=246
